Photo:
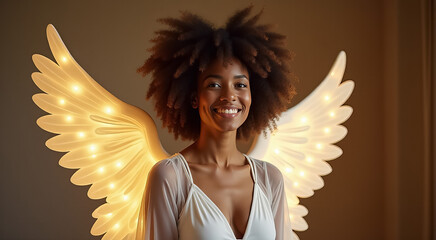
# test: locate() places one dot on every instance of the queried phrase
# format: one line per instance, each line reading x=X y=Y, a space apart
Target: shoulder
x=270 y=172
x=270 y=169
x=163 y=170
x=273 y=171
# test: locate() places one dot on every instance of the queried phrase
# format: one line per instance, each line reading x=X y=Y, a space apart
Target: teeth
x=228 y=111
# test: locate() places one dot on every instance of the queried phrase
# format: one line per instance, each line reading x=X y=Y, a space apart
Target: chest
x=230 y=190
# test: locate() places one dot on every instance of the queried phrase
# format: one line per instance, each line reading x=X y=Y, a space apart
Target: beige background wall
x=379 y=188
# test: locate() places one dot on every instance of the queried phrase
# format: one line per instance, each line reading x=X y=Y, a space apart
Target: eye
x=241 y=85
x=213 y=85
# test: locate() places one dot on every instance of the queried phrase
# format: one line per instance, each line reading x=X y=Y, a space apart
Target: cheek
x=247 y=99
x=206 y=100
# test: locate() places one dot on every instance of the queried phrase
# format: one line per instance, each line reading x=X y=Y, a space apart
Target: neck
x=217 y=147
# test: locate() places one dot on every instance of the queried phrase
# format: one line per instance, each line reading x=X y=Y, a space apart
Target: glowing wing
x=113 y=144
x=304 y=139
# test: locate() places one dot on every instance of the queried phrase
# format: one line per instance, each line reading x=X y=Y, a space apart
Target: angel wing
x=113 y=144
x=302 y=142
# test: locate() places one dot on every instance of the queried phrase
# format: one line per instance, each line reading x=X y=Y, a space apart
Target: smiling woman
x=224 y=96
x=185 y=50
x=214 y=86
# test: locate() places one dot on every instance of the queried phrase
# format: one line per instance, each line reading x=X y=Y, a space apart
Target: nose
x=228 y=94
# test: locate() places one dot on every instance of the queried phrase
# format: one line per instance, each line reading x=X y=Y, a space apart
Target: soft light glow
x=109 y=215
x=276 y=151
x=309 y=159
x=125 y=197
x=326 y=130
x=119 y=164
x=112 y=185
x=69 y=118
x=61 y=101
x=288 y=170
x=92 y=147
x=327 y=97
x=332 y=114
x=101 y=170
x=302 y=173
x=303 y=119
x=108 y=110
x=319 y=145
x=64 y=59
x=295 y=184
x=81 y=134
x=116 y=226
x=76 y=89
x=93 y=155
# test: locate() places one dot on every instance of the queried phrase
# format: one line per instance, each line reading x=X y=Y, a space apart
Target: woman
x=214 y=86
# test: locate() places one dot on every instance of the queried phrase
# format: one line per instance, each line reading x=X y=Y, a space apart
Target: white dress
x=175 y=208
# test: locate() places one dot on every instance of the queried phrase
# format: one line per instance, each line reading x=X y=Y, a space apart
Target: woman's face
x=223 y=96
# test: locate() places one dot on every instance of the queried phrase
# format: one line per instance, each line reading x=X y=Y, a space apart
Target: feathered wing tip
x=338 y=68
x=111 y=143
x=304 y=140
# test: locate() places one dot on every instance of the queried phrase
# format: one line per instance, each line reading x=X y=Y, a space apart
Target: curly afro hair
x=184 y=50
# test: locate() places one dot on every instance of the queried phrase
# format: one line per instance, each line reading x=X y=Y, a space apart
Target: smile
x=227 y=112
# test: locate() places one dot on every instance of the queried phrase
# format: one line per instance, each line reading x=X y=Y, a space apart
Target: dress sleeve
x=279 y=204
x=159 y=212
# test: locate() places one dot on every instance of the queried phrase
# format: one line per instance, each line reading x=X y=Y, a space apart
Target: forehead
x=216 y=67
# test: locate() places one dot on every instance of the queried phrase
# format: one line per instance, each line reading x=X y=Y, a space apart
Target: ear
x=194 y=100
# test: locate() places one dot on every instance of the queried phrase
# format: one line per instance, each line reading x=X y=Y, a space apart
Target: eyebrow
x=220 y=77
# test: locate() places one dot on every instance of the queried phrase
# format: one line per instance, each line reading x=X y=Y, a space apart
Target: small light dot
x=303 y=119
x=309 y=159
x=108 y=110
x=69 y=118
x=116 y=226
x=326 y=130
x=327 y=97
x=101 y=170
x=61 y=101
x=332 y=114
x=81 y=134
x=319 y=145
x=64 y=59
x=111 y=185
x=76 y=88
x=93 y=156
x=276 y=151
x=119 y=164
x=125 y=197
x=288 y=170
x=302 y=173
x=109 y=215
x=92 y=147
x=296 y=184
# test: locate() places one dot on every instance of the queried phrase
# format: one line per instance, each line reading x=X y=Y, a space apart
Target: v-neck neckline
x=253 y=199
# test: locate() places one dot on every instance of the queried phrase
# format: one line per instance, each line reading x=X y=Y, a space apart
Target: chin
x=228 y=128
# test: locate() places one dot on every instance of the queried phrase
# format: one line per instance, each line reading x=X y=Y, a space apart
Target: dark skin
x=218 y=168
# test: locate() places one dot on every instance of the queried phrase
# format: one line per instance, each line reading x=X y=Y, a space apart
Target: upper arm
x=279 y=205
x=275 y=178
x=159 y=211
